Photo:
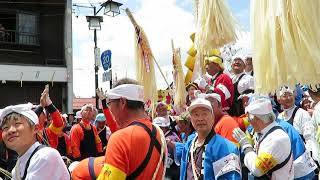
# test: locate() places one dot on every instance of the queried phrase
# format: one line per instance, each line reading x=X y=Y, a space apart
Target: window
x=27 y=29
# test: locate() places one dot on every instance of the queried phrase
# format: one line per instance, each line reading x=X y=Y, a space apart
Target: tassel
x=285 y=45
x=144 y=62
x=216 y=26
x=179 y=91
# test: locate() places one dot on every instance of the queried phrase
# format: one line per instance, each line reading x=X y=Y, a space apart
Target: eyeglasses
x=112 y=100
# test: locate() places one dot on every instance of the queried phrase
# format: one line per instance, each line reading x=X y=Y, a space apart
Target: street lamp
x=111 y=9
x=94 y=22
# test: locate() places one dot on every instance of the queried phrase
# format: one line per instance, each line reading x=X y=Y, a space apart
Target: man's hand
x=43 y=102
x=100 y=94
x=241 y=137
x=47 y=98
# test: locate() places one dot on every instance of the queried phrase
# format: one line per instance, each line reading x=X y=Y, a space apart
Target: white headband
x=23 y=109
x=132 y=92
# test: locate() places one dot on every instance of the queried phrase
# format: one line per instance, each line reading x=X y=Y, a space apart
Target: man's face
x=101 y=124
x=114 y=107
x=191 y=90
x=245 y=101
x=70 y=118
x=202 y=119
x=212 y=68
x=18 y=135
x=42 y=120
x=183 y=126
x=162 y=110
x=215 y=105
x=238 y=66
x=87 y=113
x=287 y=100
x=248 y=64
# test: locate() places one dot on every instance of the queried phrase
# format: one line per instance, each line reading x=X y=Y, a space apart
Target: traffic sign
x=107 y=76
x=106 y=59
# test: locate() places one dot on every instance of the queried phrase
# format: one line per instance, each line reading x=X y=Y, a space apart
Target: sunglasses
x=112 y=100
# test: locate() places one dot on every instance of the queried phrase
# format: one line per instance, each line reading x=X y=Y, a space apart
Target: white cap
x=284 y=90
x=78 y=115
x=23 y=109
x=64 y=115
x=238 y=56
x=246 y=82
x=161 y=122
x=259 y=106
x=200 y=102
x=215 y=96
x=131 y=92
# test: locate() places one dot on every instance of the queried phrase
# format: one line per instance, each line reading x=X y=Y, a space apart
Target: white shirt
x=316 y=119
x=304 y=124
x=246 y=82
x=277 y=146
x=45 y=164
x=316 y=114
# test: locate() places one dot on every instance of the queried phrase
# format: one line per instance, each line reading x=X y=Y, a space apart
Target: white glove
x=241 y=137
x=100 y=94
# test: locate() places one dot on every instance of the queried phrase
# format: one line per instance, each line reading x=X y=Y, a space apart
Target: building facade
x=36 y=49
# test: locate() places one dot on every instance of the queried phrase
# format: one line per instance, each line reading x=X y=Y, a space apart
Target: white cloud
x=161 y=20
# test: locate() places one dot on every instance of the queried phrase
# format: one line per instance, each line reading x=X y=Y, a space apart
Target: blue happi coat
x=221 y=161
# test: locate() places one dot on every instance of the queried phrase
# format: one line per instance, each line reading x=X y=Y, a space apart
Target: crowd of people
x=225 y=131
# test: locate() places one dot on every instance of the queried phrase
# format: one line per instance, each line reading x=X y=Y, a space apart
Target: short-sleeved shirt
x=81 y=171
x=126 y=150
x=224 y=127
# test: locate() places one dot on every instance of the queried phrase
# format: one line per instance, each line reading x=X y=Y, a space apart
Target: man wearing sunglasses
x=137 y=149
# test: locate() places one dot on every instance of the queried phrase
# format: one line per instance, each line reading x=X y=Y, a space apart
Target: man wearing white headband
x=207 y=155
x=20 y=126
x=241 y=82
x=271 y=158
x=137 y=149
x=299 y=119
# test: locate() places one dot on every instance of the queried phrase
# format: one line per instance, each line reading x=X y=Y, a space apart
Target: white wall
x=33 y=73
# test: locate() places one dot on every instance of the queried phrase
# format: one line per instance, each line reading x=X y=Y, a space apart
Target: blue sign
x=106 y=59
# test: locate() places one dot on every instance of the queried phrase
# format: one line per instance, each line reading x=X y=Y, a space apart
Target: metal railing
x=14 y=37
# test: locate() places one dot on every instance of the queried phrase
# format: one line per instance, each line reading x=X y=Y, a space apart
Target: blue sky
x=162 y=21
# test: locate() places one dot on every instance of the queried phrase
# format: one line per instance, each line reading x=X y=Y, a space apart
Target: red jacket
x=77 y=135
x=55 y=129
x=223 y=86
